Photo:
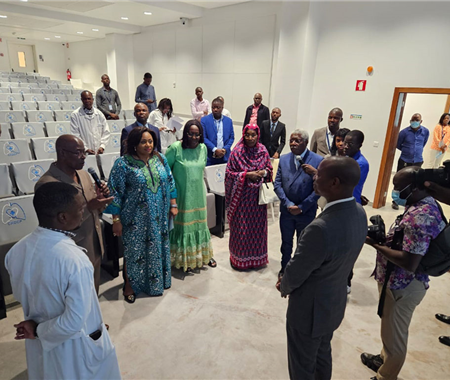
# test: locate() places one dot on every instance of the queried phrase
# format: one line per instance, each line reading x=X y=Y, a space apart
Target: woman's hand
x=173 y=211
x=117 y=229
x=254 y=176
x=162 y=129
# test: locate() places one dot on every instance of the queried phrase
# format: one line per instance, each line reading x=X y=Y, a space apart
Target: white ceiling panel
x=77 y=6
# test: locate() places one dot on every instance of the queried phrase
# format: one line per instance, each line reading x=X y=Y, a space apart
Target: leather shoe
x=394 y=206
x=280 y=274
x=373 y=378
x=372 y=361
x=443 y=318
x=445 y=340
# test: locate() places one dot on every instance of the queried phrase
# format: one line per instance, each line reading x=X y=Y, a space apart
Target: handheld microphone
x=95 y=176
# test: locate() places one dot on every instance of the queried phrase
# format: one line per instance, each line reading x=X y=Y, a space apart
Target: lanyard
x=328 y=141
x=107 y=97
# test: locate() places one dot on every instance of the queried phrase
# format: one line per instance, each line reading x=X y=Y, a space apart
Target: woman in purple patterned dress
x=248 y=167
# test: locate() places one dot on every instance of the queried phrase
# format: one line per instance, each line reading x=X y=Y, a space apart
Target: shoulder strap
x=442 y=212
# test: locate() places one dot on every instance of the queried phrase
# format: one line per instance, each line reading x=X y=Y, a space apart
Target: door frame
x=33 y=48
x=390 y=141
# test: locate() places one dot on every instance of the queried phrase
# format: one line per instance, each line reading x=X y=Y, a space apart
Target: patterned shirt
x=421 y=223
x=254 y=116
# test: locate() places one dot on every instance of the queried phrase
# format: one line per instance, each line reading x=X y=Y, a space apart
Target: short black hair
x=218 y=100
x=358 y=135
x=52 y=198
x=188 y=126
x=163 y=103
x=441 y=120
x=134 y=138
x=148 y=75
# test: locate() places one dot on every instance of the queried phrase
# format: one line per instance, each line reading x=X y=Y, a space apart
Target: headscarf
x=244 y=159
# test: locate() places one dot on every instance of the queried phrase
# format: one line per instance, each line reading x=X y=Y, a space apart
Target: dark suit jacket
x=295 y=187
x=263 y=114
x=210 y=132
x=277 y=141
x=316 y=277
x=128 y=129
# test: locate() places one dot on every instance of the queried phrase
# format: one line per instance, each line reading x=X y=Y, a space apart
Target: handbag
x=267 y=194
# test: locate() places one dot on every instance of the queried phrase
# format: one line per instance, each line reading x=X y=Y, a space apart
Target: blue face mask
x=415 y=124
x=396 y=196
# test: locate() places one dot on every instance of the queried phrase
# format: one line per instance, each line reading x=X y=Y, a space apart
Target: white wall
x=406 y=43
x=431 y=107
x=87 y=61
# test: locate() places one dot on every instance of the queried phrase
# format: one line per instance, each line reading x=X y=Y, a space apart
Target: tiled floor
x=223 y=324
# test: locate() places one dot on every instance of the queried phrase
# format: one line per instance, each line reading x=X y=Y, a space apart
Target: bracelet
x=174 y=206
x=116 y=220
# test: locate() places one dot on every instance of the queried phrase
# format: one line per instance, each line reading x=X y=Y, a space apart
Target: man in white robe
x=89 y=124
x=53 y=280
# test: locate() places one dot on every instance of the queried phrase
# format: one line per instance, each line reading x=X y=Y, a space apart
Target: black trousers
x=402 y=164
x=309 y=358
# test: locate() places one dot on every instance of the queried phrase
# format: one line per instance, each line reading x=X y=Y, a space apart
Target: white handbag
x=267 y=194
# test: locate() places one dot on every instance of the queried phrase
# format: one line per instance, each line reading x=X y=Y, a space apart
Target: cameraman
x=401 y=289
x=441 y=194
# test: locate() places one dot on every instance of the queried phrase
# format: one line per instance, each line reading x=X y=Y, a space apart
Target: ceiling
x=74 y=20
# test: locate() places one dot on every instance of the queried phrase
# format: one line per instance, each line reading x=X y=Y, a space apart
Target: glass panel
x=22 y=61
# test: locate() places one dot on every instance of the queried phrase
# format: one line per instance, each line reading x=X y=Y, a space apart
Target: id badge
x=110 y=107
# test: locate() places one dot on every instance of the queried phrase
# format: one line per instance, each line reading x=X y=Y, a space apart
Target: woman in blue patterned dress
x=144 y=195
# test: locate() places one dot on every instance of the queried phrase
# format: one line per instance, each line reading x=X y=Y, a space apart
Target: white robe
x=167 y=137
x=92 y=129
x=53 y=279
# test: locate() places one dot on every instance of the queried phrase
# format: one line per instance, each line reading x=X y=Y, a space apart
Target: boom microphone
x=95 y=176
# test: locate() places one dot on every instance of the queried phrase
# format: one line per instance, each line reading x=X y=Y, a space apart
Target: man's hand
x=278 y=286
x=276 y=155
x=99 y=203
x=309 y=169
x=205 y=112
x=439 y=192
x=100 y=151
x=103 y=191
x=219 y=153
x=90 y=151
x=161 y=129
x=114 y=116
x=294 y=210
x=25 y=330
x=150 y=101
x=370 y=241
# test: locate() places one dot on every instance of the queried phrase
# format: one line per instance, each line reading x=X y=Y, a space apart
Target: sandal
x=212 y=263
x=130 y=298
x=189 y=270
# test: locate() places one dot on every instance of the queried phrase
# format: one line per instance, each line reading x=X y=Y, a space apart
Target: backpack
x=436 y=262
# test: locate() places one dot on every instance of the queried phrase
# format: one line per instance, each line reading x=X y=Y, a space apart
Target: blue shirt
x=297 y=163
x=411 y=143
x=219 y=126
x=364 y=167
x=143 y=93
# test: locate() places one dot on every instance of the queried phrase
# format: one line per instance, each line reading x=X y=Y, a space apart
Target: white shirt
x=199 y=107
x=92 y=129
x=53 y=279
x=338 y=201
x=159 y=120
x=329 y=139
x=226 y=113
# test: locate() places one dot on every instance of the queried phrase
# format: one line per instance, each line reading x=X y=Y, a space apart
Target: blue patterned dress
x=142 y=199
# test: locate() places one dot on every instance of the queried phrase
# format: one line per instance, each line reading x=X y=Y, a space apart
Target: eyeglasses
x=298 y=141
x=79 y=153
x=194 y=135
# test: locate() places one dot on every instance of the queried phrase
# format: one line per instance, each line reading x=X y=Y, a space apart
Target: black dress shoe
x=394 y=206
x=372 y=361
x=443 y=318
x=280 y=274
x=445 y=340
x=373 y=378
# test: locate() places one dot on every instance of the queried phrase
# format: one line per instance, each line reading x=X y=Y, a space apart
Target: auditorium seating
x=44 y=147
x=18 y=218
x=24 y=106
x=116 y=126
x=57 y=128
x=11 y=116
x=41 y=116
x=26 y=130
x=4 y=106
x=114 y=143
x=62 y=115
x=107 y=161
x=27 y=173
x=6 y=186
x=14 y=150
x=50 y=105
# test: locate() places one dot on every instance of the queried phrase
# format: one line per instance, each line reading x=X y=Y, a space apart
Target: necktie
x=299 y=161
x=272 y=129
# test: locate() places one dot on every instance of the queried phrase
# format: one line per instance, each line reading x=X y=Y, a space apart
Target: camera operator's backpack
x=437 y=260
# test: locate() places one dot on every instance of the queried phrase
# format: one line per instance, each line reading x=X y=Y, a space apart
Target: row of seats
x=39 y=97
x=28 y=130
x=17 y=150
x=15 y=87
x=10 y=91
x=41 y=105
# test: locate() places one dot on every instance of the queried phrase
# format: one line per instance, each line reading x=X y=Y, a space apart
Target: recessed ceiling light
x=3 y=16
x=46 y=38
x=57 y=36
x=24 y=1
x=124 y=18
x=148 y=13
x=80 y=32
x=95 y=30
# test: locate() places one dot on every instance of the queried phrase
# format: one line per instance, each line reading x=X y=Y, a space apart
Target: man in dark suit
x=316 y=277
x=141 y=114
x=294 y=187
x=219 y=134
x=273 y=134
x=257 y=112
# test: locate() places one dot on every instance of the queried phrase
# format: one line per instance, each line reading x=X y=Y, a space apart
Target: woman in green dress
x=190 y=240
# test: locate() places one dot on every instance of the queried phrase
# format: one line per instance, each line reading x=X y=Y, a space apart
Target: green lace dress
x=190 y=240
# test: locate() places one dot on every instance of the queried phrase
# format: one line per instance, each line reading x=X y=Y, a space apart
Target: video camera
x=377 y=231
x=440 y=176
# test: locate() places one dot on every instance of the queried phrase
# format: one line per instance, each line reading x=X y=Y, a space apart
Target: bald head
x=336 y=178
x=141 y=113
x=257 y=99
x=70 y=153
x=87 y=99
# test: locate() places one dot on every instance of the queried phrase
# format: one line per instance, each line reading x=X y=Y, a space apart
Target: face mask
x=396 y=196
x=415 y=124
